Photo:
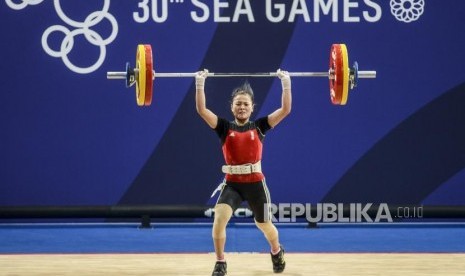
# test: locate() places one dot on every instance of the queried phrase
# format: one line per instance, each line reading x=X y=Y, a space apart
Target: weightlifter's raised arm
x=200 y=102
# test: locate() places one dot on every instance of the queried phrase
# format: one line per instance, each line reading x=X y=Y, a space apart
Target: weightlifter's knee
x=268 y=229
x=223 y=213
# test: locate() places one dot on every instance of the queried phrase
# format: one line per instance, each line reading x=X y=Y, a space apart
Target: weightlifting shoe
x=278 y=261
x=220 y=269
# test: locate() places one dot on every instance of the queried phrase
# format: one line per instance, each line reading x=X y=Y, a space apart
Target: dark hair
x=244 y=89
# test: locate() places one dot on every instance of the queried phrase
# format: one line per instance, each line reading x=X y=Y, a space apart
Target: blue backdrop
x=72 y=137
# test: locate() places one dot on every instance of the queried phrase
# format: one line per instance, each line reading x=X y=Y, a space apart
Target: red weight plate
x=339 y=74
x=336 y=71
x=149 y=75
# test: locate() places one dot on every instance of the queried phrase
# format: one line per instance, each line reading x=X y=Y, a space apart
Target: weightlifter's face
x=242 y=108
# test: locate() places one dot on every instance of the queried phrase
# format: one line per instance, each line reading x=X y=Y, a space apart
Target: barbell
x=341 y=76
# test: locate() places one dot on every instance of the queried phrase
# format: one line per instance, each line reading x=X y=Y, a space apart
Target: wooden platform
x=238 y=264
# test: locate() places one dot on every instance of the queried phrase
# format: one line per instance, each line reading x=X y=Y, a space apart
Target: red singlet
x=242 y=145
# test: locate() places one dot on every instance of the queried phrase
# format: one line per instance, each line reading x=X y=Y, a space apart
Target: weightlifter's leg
x=223 y=213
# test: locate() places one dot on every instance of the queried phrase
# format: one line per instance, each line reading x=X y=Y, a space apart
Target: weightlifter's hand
x=285 y=79
x=200 y=77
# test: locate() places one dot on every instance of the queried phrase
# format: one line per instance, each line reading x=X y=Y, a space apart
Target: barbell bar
x=361 y=74
x=340 y=76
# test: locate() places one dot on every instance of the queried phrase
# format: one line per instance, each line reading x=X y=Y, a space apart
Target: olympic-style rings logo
x=22 y=4
x=407 y=10
x=81 y=28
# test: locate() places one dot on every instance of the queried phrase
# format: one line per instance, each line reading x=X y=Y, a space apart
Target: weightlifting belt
x=242 y=169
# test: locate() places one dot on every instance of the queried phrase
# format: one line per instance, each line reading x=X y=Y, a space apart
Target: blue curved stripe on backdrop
x=412 y=160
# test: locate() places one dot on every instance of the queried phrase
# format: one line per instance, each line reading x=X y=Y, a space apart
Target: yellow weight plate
x=346 y=76
x=141 y=75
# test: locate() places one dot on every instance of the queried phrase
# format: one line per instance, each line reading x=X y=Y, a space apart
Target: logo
x=238 y=213
x=407 y=10
x=340 y=212
x=22 y=4
x=73 y=29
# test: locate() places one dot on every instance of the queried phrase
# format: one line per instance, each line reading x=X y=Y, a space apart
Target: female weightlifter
x=242 y=149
